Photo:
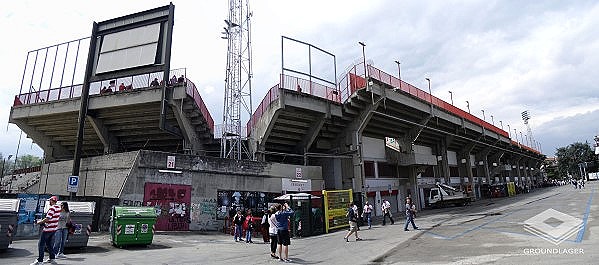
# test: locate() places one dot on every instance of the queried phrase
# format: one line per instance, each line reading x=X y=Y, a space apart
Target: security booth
x=9 y=209
x=132 y=225
x=308 y=219
x=82 y=215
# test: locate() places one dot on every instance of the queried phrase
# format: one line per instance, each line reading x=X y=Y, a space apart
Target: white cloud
x=502 y=56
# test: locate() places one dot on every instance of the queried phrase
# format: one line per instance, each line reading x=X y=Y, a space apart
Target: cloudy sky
x=501 y=56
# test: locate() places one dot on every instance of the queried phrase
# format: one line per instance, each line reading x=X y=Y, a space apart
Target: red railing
x=74 y=91
x=354 y=80
x=412 y=90
x=296 y=84
x=271 y=95
x=192 y=91
x=130 y=82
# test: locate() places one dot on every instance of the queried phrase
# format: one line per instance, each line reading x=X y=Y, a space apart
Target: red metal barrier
x=192 y=91
x=354 y=80
x=296 y=84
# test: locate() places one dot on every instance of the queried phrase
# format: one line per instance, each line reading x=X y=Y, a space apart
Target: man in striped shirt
x=50 y=223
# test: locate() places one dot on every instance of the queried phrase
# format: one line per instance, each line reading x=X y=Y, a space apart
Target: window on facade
x=454 y=172
x=387 y=170
x=369 y=169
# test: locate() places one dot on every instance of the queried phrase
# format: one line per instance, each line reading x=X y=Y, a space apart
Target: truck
x=443 y=195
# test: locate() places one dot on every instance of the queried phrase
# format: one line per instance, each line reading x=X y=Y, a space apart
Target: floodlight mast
x=238 y=85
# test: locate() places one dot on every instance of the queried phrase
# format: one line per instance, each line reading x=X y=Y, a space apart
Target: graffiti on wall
x=171 y=203
x=131 y=203
x=203 y=215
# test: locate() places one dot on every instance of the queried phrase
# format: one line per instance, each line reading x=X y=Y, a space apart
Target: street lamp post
x=501 y=123
x=509 y=131
x=399 y=73
x=364 y=61
x=451 y=97
x=492 y=121
x=468 y=106
x=430 y=94
x=484 y=118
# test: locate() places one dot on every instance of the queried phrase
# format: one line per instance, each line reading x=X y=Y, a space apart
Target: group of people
x=112 y=87
x=55 y=231
x=243 y=223
x=367 y=210
x=276 y=221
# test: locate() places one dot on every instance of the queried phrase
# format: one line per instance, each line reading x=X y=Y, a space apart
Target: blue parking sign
x=73 y=184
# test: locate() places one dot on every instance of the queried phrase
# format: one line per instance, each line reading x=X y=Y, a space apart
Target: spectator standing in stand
x=181 y=79
x=386 y=207
x=367 y=213
x=155 y=83
x=282 y=217
x=122 y=87
x=46 y=240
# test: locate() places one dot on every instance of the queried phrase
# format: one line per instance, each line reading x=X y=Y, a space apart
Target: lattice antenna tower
x=238 y=85
x=526 y=118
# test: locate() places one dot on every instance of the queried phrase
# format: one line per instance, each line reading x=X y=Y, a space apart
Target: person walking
x=367 y=213
x=282 y=216
x=264 y=225
x=50 y=224
x=249 y=227
x=272 y=231
x=353 y=225
x=63 y=231
x=410 y=214
x=386 y=207
x=238 y=222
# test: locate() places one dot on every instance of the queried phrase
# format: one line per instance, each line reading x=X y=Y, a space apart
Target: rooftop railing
x=297 y=84
x=118 y=85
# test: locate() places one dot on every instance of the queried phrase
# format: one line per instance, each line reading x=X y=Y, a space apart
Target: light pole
x=365 y=77
x=501 y=123
x=484 y=118
x=521 y=138
x=468 y=106
x=492 y=121
x=399 y=73
x=516 y=133
x=451 y=97
x=430 y=94
x=509 y=133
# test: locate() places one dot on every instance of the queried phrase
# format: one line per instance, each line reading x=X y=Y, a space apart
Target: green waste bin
x=132 y=225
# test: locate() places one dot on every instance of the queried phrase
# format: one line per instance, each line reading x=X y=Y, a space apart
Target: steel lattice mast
x=238 y=85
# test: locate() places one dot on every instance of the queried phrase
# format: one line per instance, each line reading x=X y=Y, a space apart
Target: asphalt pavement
x=446 y=236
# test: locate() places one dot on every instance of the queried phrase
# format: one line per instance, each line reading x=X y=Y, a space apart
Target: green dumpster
x=132 y=225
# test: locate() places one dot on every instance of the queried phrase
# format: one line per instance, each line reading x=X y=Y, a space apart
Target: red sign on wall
x=172 y=203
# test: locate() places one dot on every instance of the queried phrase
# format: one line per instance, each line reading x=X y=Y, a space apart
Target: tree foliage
x=570 y=157
x=25 y=161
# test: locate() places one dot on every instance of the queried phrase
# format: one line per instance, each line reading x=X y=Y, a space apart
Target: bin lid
x=76 y=207
x=128 y=211
x=9 y=205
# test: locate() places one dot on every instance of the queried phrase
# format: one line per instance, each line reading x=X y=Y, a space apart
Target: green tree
x=570 y=157
x=28 y=161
